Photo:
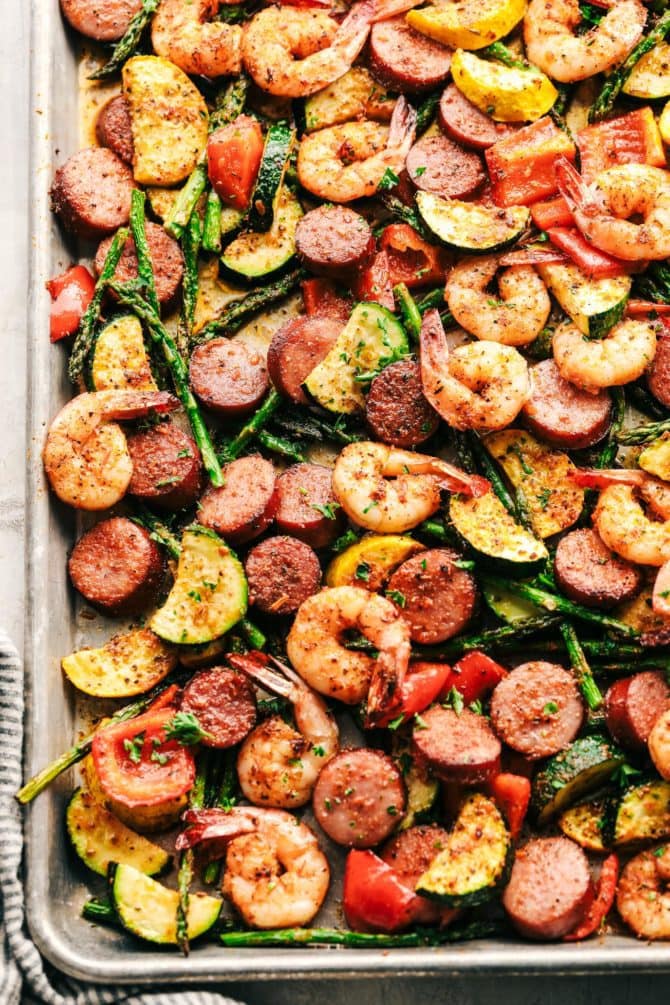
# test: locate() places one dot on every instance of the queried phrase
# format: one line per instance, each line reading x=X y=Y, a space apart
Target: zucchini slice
x=371 y=339
x=469 y=226
x=583 y=767
x=422 y=788
x=120 y=360
x=474 y=862
x=490 y=530
x=127 y=665
x=255 y=255
x=506 y=93
x=209 y=594
x=639 y=613
x=370 y=561
x=595 y=305
x=278 y=142
x=585 y=824
x=99 y=838
x=356 y=95
x=650 y=77
x=509 y=608
x=641 y=815
x=149 y=910
x=655 y=459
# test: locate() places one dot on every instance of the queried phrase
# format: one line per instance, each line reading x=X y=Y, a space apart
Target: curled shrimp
x=347 y=162
x=389 y=490
x=278 y=765
x=643 y=893
x=86 y=457
x=624 y=525
x=184 y=34
x=623 y=355
x=602 y=210
x=551 y=43
x=480 y=385
x=515 y=317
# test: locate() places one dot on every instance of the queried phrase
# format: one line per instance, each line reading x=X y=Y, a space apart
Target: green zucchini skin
x=278 y=143
x=583 y=767
x=640 y=816
x=148 y=909
x=253 y=255
x=595 y=305
x=470 y=227
x=486 y=528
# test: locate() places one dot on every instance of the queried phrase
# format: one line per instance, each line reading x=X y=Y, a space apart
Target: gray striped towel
x=24 y=976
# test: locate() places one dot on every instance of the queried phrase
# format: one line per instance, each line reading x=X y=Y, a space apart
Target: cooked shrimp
x=659 y=744
x=602 y=210
x=643 y=898
x=551 y=44
x=623 y=355
x=389 y=490
x=278 y=765
x=348 y=162
x=625 y=527
x=184 y=34
x=515 y=317
x=86 y=456
x=481 y=385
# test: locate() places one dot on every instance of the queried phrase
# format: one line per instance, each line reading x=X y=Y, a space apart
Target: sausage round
x=113 y=128
x=633 y=705
x=104 y=21
x=437 y=164
x=334 y=241
x=282 y=572
x=166 y=259
x=167 y=469
x=117 y=567
x=562 y=414
x=396 y=408
x=228 y=377
x=590 y=574
x=224 y=703
x=466 y=124
x=359 y=798
x=549 y=888
x=296 y=349
x=404 y=60
x=410 y=853
x=435 y=597
x=91 y=192
x=658 y=376
x=536 y=709
x=307 y=508
x=458 y=747
x=247 y=502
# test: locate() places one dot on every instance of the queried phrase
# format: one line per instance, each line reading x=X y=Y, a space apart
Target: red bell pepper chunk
x=643 y=308
x=71 y=293
x=602 y=902
x=553 y=213
x=602 y=478
x=374 y=898
x=475 y=675
x=168 y=699
x=521 y=165
x=234 y=155
x=595 y=264
x=412 y=260
x=421 y=685
x=629 y=139
x=512 y=794
x=374 y=283
x=321 y=298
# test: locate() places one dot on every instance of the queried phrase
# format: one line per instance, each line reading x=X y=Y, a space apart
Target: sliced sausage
x=437 y=164
x=458 y=747
x=410 y=853
x=466 y=124
x=396 y=409
x=435 y=597
x=246 y=503
x=562 y=414
x=117 y=567
x=537 y=709
x=167 y=469
x=359 y=798
x=228 y=377
x=404 y=60
x=166 y=259
x=296 y=349
x=307 y=508
x=334 y=241
x=590 y=574
x=633 y=705
x=282 y=572
x=658 y=377
x=91 y=192
x=103 y=20
x=224 y=703
x=549 y=888
x=113 y=128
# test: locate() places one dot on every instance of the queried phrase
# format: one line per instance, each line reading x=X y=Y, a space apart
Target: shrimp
x=183 y=33
x=278 y=765
x=551 y=44
x=602 y=210
x=347 y=162
x=390 y=491
x=643 y=898
x=86 y=457
x=623 y=355
x=625 y=527
x=514 y=318
x=481 y=385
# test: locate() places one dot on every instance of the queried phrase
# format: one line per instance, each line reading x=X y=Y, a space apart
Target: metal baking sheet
x=55 y=887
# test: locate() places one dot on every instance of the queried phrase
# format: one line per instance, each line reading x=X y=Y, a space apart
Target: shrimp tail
x=210 y=825
x=353 y=31
x=574 y=189
x=254 y=665
x=602 y=478
x=452 y=479
x=386 y=683
x=125 y=405
x=402 y=128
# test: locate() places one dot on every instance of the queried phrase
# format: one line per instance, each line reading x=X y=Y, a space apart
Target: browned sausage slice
x=103 y=20
x=458 y=747
x=437 y=164
x=166 y=259
x=228 y=377
x=396 y=408
x=410 y=853
x=296 y=349
x=549 y=888
x=117 y=567
x=91 y=192
x=536 y=709
x=167 y=469
x=224 y=703
x=435 y=597
x=247 y=502
x=590 y=574
x=466 y=124
x=113 y=128
x=282 y=572
x=307 y=507
x=633 y=705
x=404 y=60
x=658 y=378
x=334 y=241
x=359 y=798
x=562 y=414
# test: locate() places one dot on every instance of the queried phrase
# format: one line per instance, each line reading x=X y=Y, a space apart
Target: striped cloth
x=24 y=976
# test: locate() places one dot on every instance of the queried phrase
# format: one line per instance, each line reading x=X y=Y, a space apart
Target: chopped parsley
x=388 y=180
x=551 y=708
x=363 y=572
x=397 y=597
x=134 y=747
x=326 y=509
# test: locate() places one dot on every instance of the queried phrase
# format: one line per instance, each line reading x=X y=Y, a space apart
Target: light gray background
x=16 y=119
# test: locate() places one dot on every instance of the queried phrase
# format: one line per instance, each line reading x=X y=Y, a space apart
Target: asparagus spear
x=337 y=937
x=425 y=113
x=145 y=269
x=253 y=634
x=643 y=434
x=491 y=471
x=611 y=89
x=312 y=427
x=98 y=911
x=238 y=313
x=580 y=667
x=607 y=455
x=211 y=230
x=501 y=637
x=463 y=447
x=196 y=800
x=654 y=284
x=405 y=214
x=127 y=45
x=190 y=246
x=83 y=340
x=259 y=419
x=433 y=299
x=278 y=445
x=499 y=51
x=409 y=311
x=158 y=531
x=225 y=797
x=433 y=528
